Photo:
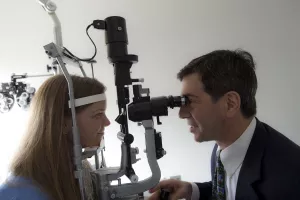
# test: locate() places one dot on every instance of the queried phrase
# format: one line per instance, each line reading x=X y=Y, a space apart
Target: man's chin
x=198 y=137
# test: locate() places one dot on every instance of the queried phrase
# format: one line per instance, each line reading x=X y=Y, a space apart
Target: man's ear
x=233 y=103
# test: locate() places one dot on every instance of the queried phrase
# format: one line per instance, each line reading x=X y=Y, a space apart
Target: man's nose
x=184 y=113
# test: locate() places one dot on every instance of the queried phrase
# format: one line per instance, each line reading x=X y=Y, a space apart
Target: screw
x=51 y=5
x=119 y=28
x=112 y=196
x=49 y=53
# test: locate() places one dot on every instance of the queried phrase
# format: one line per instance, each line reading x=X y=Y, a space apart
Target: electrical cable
x=92 y=66
x=82 y=59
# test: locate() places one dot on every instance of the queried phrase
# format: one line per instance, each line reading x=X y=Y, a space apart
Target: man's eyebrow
x=189 y=95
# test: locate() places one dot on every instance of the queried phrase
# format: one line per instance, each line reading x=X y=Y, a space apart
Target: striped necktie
x=219 y=191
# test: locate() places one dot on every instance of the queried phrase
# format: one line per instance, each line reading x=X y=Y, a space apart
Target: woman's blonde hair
x=45 y=155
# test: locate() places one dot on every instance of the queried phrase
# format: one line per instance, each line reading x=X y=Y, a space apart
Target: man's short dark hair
x=222 y=71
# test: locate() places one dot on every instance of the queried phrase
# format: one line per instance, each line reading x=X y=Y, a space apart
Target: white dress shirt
x=232 y=158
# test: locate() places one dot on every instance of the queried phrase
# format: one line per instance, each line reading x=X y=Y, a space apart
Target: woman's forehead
x=98 y=106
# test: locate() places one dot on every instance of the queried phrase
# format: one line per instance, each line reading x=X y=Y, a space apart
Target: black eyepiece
x=156 y=107
x=177 y=101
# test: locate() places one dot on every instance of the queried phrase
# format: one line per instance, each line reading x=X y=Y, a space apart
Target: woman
x=43 y=167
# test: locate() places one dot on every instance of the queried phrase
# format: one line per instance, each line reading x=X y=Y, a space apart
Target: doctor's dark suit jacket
x=270 y=170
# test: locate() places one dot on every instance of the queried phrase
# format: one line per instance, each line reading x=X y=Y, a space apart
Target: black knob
x=128 y=139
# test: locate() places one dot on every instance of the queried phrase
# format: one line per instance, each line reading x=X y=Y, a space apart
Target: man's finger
x=155 y=196
x=157 y=187
x=165 y=184
x=177 y=195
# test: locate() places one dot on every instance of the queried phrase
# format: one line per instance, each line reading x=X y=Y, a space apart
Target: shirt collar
x=233 y=155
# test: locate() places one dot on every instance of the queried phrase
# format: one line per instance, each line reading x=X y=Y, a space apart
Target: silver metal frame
x=102 y=177
x=50 y=7
x=53 y=51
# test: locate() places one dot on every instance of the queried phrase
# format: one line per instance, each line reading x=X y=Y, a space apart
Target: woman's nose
x=107 y=122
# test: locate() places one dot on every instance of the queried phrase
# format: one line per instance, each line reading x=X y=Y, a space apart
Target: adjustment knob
x=30 y=90
x=126 y=138
x=134 y=178
x=135 y=150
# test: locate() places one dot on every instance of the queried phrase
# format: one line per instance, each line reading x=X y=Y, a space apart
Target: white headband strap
x=88 y=100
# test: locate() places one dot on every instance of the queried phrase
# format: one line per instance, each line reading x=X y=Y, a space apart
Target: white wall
x=165 y=35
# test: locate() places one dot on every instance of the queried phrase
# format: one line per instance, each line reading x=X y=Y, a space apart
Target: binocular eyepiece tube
x=155 y=107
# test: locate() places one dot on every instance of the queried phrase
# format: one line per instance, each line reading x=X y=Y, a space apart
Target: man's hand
x=177 y=189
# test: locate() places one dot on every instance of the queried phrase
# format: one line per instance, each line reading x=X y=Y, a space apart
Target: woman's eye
x=98 y=115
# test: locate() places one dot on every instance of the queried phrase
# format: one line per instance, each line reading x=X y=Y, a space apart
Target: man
x=250 y=160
